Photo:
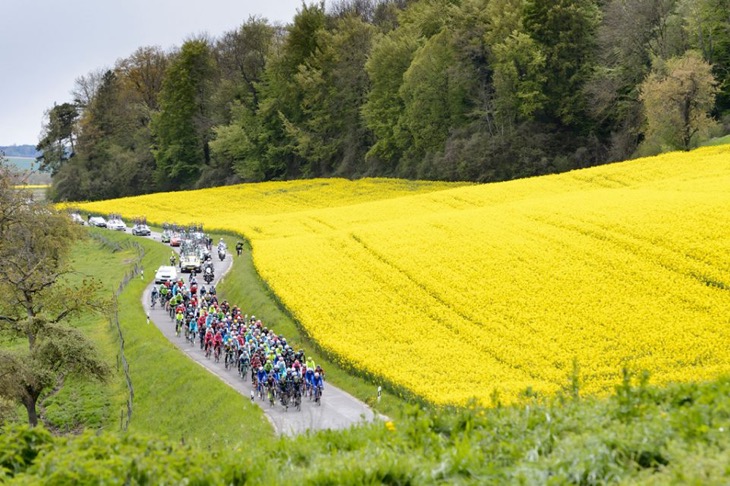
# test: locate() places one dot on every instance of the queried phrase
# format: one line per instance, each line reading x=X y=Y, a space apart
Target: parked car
x=141 y=230
x=116 y=224
x=165 y=273
x=97 y=221
x=76 y=218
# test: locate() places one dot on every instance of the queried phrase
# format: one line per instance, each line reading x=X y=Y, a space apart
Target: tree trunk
x=30 y=403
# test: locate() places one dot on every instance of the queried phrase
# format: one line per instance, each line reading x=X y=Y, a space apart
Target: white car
x=141 y=230
x=97 y=221
x=190 y=262
x=76 y=218
x=165 y=273
x=116 y=225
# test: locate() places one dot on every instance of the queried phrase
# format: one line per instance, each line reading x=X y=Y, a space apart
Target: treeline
x=19 y=151
x=479 y=90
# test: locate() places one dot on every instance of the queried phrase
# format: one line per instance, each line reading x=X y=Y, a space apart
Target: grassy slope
x=174 y=397
x=85 y=403
x=717 y=141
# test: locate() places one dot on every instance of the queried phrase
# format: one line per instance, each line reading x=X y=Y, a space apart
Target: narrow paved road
x=338 y=410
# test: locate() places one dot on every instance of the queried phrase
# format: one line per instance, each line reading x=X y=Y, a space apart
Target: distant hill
x=20 y=151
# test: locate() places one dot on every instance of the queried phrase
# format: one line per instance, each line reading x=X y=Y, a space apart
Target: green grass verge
x=174 y=396
x=642 y=435
x=718 y=141
x=246 y=289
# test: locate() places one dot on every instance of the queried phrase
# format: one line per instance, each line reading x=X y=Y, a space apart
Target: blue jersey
x=261 y=376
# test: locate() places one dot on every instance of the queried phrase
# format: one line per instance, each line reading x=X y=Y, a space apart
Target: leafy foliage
x=642 y=435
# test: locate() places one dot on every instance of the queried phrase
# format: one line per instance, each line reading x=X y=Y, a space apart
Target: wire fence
x=134 y=271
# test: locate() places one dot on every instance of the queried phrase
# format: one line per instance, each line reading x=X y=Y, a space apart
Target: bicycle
x=243 y=368
x=285 y=399
x=229 y=359
x=154 y=300
x=318 y=395
x=217 y=354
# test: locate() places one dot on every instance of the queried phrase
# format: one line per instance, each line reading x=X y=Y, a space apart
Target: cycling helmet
x=316 y=375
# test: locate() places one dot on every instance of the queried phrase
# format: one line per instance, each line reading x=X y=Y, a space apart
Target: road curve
x=338 y=409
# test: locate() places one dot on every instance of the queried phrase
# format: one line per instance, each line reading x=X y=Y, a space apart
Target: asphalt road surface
x=338 y=410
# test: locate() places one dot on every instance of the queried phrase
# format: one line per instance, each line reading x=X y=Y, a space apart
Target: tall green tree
x=182 y=128
x=565 y=31
x=332 y=137
x=242 y=58
x=58 y=137
x=38 y=304
x=389 y=59
x=707 y=23
x=282 y=96
x=435 y=93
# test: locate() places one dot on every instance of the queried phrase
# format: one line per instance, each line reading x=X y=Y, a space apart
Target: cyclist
x=318 y=385
x=217 y=343
x=208 y=341
x=260 y=381
x=309 y=379
x=179 y=316
x=193 y=329
x=155 y=296
x=319 y=370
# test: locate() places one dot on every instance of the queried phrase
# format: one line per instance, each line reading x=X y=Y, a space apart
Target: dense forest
x=480 y=90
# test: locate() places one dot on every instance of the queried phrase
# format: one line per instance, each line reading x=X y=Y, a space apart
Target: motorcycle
x=208 y=276
x=221 y=254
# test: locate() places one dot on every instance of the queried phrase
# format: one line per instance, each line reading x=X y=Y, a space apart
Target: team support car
x=166 y=235
x=165 y=273
x=190 y=262
x=97 y=221
x=116 y=224
x=141 y=230
x=175 y=240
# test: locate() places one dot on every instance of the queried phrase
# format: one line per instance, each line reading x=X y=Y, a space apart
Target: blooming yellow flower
x=455 y=291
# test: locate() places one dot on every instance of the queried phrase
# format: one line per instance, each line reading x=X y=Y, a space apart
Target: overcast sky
x=46 y=44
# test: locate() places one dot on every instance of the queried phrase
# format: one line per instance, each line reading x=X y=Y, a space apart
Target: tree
x=273 y=150
x=631 y=34
x=242 y=58
x=387 y=63
x=332 y=138
x=678 y=97
x=38 y=302
x=58 y=137
x=182 y=128
x=565 y=31
x=707 y=23
x=518 y=78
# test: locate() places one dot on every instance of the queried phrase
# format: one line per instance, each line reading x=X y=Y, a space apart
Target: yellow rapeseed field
x=453 y=292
